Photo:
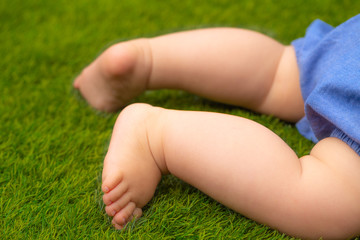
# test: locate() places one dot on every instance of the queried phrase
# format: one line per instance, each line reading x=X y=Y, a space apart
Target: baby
x=314 y=82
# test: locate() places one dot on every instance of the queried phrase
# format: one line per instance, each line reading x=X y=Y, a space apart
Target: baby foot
x=131 y=171
x=117 y=76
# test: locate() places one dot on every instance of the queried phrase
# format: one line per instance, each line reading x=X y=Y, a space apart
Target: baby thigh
x=325 y=200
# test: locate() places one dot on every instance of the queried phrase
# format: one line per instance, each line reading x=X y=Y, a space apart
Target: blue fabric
x=329 y=64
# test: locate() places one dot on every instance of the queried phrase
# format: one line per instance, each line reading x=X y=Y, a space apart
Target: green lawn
x=52 y=143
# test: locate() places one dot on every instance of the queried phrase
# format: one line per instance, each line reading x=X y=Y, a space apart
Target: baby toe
x=118 y=205
x=116 y=226
x=123 y=216
x=115 y=194
x=76 y=83
x=136 y=214
x=111 y=179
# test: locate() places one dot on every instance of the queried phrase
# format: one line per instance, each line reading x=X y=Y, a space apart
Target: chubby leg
x=228 y=65
x=233 y=66
x=237 y=162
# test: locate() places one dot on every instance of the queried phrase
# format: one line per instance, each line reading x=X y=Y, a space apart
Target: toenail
x=113 y=213
x=105 y=189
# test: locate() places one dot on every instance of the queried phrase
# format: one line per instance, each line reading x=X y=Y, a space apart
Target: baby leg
x=229 y=65
x=237 y=162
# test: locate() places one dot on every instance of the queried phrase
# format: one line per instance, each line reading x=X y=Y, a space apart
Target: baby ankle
x=155 y=130
x=144 y=60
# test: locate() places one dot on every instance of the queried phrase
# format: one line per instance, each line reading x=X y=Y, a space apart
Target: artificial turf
x=52 y=143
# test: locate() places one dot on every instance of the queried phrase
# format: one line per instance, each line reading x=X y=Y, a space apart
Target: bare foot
x=117 y=76
x=131 y=173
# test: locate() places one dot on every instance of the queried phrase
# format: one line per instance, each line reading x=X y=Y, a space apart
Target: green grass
x=52 y=144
